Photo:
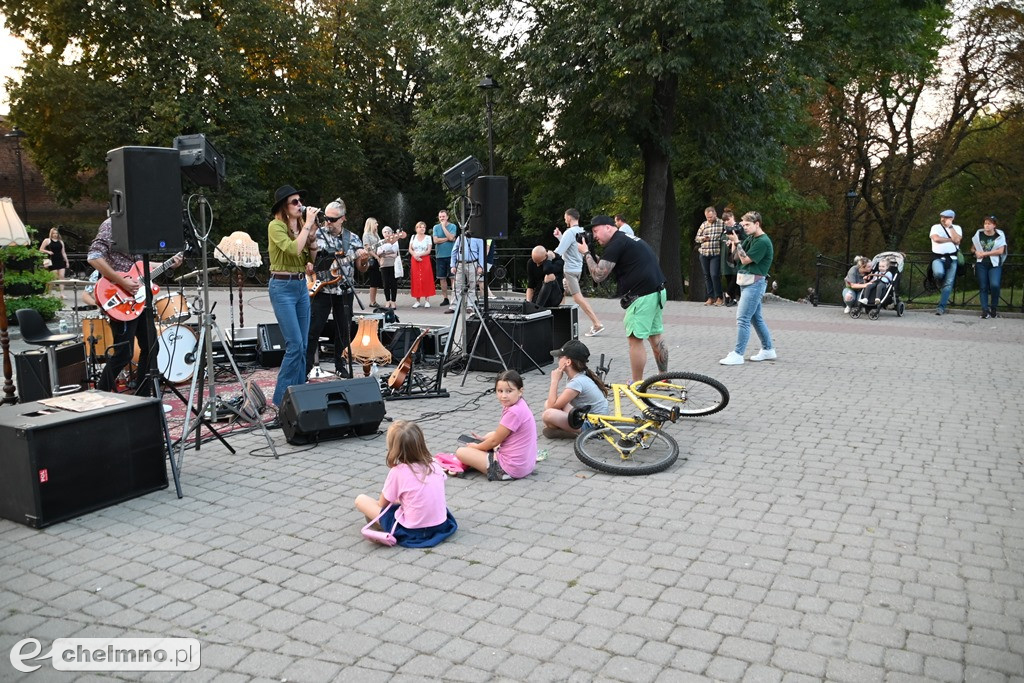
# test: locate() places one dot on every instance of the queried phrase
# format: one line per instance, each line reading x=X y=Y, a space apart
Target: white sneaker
x=426 y=304
x=416 y=305
x=863 y=300
x=764 y=354
x=846 y=310
x=732 y=359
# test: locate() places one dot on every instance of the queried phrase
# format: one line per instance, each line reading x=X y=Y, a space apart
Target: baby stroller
x=886 y=293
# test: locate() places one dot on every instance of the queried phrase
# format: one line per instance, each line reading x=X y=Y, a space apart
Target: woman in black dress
x=53 y=247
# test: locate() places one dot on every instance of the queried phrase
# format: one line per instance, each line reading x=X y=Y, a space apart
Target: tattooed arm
x=598 y=270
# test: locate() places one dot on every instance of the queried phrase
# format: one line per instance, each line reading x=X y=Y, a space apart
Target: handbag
x=379 y=535
x=745 y=279
x=627 y=300
x=399 y=269
x=959 y=254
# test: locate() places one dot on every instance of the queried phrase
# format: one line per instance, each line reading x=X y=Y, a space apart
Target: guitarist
x=113 y=264
x=338 y=250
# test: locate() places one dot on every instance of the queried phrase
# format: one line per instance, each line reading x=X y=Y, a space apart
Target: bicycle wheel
x=692 y=394
x=644 y=451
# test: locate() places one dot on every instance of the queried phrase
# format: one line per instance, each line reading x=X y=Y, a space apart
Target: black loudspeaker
x=533 y=335
x=565 y=323
x=145 y=199
x=331 y=410
x=199 y=160
x=489 y=218
x=33 y=370
x=269 y=345
x=58 y=464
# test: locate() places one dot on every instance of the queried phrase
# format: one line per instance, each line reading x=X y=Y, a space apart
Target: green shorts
x=643 y=317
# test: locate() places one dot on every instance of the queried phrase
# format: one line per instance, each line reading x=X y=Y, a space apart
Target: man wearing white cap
x=945 y=237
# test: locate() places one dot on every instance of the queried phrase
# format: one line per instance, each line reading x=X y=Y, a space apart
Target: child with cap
x=583 y=388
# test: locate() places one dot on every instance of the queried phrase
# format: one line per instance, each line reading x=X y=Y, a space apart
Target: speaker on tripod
x=145 y=199
x=489 y=217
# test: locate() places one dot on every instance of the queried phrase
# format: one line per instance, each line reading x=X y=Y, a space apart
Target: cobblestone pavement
x=853 y=515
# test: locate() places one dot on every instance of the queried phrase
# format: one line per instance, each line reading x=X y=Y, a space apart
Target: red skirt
x=421 y=278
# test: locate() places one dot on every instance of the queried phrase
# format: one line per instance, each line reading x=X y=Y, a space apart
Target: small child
x=414 y=488
x=882 y=279
x=510 y=451
x=583 y=388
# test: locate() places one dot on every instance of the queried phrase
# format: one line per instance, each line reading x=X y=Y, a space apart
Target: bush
x=46 y=305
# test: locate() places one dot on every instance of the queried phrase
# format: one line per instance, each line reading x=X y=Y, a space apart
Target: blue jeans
x=749 y=312
x=712 y=267
x=948 y=277
x=989 y=279
x=290 y=300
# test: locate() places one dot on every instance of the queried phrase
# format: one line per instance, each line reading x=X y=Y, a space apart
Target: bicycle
x=635 y=444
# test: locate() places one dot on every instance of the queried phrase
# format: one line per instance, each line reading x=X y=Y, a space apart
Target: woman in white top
x=421 y=272
x=989 y=247
x=373 y=277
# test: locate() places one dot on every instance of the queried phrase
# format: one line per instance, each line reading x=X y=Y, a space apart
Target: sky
x=10 y=58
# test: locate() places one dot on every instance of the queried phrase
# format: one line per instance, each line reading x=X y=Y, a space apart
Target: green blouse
x=283 y=258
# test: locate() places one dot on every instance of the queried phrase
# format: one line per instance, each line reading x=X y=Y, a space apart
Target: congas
x=177 y=353
x=171 y=308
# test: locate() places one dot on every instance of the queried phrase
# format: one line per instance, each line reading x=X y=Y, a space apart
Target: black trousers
x=123 y=349
x=387 y=273
x=321 y=307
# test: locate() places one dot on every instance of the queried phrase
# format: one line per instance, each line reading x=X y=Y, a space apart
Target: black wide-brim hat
x=282 y=193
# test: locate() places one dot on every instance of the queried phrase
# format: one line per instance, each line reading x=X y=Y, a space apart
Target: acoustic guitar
x=119 y=304
x=398 y=377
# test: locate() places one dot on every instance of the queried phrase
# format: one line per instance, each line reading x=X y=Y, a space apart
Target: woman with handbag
x=755 y=256
x=387 y=254
x=421 y=278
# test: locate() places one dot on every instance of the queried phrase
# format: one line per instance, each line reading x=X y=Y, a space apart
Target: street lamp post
x=851 y=203
x=487 y=84
x=17 y=134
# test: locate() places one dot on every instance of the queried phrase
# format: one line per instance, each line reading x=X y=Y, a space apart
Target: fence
x=917 y=286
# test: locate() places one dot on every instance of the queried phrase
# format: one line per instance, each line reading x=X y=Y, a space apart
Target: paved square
x=854 y=514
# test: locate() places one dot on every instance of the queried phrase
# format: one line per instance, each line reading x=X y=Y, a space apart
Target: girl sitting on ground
x=510 y=451
x=414 y=490
x=583 y=388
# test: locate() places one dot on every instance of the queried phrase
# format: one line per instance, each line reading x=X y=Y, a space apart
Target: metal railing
x=917 y=285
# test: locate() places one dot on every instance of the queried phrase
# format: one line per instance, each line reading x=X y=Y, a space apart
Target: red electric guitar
x=119 y=304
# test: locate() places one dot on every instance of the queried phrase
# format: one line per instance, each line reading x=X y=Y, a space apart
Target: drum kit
x=177 y=341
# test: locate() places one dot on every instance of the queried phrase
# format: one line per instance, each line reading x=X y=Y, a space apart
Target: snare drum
x=171 y=308
x=176 y=342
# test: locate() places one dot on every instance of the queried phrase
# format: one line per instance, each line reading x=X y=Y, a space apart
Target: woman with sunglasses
x=292 y=245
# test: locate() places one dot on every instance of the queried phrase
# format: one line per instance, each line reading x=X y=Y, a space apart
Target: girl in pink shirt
x=510 y=451
x=413 y=491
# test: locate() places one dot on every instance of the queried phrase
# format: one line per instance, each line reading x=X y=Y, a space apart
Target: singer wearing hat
x=292 y=245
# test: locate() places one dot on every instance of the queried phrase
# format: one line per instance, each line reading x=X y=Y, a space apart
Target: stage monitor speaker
x=145 y=199
x=533 y=335
x=565 y=323
x=330 y=410
x=59 y=464
x=489 y=218
x=269 y=345
x=33 y=371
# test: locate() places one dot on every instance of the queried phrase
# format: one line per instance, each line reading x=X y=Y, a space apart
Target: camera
x=582 y=236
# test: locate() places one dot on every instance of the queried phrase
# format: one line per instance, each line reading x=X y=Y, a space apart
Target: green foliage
x=46 y=305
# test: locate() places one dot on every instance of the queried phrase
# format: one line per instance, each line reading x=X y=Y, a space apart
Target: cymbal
x=70 y=282
x=195 y=273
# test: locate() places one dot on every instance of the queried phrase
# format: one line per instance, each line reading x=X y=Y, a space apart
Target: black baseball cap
x=574 y=349
x=601 y=219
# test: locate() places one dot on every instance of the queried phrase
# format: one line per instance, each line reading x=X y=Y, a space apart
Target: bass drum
x=176 y=344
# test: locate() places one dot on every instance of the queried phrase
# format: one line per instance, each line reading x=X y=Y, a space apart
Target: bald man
x=544 y=277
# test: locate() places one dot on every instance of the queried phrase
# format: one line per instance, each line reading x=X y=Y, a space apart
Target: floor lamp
x=12 y=231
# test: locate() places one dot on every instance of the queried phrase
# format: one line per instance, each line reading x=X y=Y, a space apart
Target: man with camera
x=544 y=273
x=574 y=266
x=641 y=284
x=338 y=250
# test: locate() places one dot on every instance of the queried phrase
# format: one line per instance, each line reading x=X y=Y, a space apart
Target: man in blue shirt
x=466 y=264
x=444 y=237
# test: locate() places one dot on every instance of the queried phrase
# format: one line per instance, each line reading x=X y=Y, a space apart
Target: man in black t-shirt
x=544 y=278
x=641 y=284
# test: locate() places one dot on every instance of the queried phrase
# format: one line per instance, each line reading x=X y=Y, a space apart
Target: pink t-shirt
x=421 y=498
x=517 y=454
